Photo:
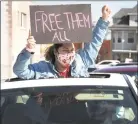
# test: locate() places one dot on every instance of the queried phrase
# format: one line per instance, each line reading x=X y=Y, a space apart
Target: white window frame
x=23 y=21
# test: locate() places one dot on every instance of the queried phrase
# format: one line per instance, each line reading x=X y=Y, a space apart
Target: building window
x=119 y=36
x=113 y=40
x=131 y=37
x=119 y=40
x=113 y=36
x=136 y=19
x=23 y=20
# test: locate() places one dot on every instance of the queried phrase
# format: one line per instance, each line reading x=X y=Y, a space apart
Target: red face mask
x=66 y=59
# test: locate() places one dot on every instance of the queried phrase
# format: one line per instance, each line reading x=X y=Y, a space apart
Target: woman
x=62 y=61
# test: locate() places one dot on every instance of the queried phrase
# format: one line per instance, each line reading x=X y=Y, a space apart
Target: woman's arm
x=91 y=49
x=22 y=67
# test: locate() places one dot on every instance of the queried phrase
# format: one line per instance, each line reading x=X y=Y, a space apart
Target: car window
x=134 y=75
x=103 y=63
x=131 y=73
x=72 y=105
x=91 y=69
x=2 y=100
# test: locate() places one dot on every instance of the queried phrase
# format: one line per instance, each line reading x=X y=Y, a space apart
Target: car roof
x=130 y=63
x=109 y=61
x=130 y=68
x=94 y=80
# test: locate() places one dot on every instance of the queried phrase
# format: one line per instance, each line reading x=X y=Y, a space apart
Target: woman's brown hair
x=49 y=53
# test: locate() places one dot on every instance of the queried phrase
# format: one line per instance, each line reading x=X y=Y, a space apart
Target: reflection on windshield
x=85 y=106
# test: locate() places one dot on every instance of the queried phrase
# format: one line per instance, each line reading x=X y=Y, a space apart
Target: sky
x=95 y=6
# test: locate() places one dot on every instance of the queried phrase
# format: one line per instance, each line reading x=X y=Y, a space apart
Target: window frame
x=119 y=38
x=23 y=21
x=130 y=37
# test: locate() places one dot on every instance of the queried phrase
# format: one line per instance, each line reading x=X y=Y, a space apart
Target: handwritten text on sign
x=61 y=23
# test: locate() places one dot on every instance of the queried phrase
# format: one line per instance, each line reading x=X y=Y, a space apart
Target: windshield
x=69 y=105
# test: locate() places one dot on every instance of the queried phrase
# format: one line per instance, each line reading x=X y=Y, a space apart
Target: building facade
x=125 y=34
x=15 y=25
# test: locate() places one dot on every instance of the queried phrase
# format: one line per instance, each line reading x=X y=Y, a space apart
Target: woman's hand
x=31 y=43
x=106 y=11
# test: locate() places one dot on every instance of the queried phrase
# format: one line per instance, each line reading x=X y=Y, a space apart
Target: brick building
x=105 y=51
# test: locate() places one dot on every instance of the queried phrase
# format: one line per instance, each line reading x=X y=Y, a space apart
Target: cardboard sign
x=61 y=23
